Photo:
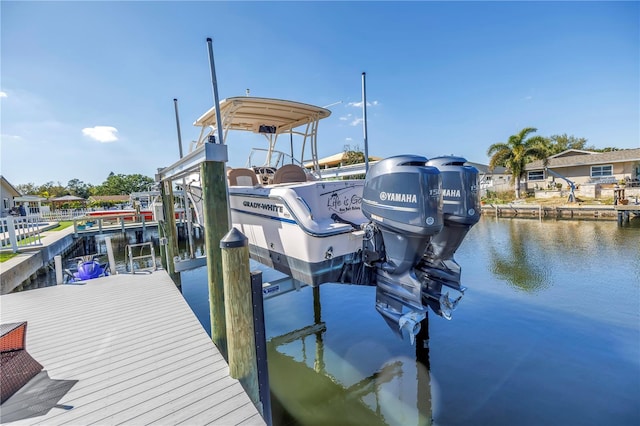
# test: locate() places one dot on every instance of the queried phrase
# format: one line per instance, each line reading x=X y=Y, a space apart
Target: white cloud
x=352 y=121
x=102 y=134
x=3 y=94
x=6 y=137
x=359 y=104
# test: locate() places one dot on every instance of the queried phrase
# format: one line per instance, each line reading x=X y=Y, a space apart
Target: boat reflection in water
x=319 y=377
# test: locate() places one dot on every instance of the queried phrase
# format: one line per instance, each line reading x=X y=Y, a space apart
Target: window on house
x=538 y=175
x=5 y=203
x=600 y=171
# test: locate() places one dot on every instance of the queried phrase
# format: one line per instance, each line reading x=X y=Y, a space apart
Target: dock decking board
x=137 y=350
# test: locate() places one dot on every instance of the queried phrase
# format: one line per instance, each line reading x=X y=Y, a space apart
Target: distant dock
x=593 y=211
x=135 y=348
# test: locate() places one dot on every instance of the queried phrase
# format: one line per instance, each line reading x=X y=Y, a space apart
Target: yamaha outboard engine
x=461 y=210
x=402 y=200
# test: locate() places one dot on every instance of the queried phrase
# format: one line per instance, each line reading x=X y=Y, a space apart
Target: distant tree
x=607 y=149
x=119 y=184
x=353 y=155
x=50 y=190
x=517 y=152
x=79 y=188
x=28 y=189
x=559 y=143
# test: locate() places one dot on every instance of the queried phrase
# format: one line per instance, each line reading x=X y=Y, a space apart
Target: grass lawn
x=62 y=225
x=6 y=256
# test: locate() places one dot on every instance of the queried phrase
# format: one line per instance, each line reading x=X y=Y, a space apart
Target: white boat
x=284 y=210
x=393 y=229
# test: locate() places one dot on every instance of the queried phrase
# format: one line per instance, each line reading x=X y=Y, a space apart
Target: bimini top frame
x=269 y=117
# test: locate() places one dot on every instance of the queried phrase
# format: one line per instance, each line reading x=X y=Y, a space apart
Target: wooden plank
x=137 y=350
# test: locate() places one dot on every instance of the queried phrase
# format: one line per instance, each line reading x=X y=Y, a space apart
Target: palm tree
x=517 y=152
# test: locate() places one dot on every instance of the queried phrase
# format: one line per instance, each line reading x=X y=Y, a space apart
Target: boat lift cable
x=185 y=197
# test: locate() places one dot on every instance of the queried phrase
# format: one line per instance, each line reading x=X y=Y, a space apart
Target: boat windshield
x=262 y=157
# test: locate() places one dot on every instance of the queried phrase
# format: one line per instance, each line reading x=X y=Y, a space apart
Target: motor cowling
x=401 y=197
x=461 y=210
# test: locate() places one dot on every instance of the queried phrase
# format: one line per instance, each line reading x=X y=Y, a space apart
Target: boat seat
x=289 y=173
x=242 y=177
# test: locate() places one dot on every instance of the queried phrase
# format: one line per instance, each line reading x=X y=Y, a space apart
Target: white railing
x=20 y=232
x=344 y=171
x=64 y=214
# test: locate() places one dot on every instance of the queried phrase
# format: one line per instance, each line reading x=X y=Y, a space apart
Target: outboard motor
x=402 y=200
x=461 y=210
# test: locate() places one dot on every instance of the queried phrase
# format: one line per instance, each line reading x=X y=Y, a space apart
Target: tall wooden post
x=216 y=225
x=243 y=363
x=170 y=229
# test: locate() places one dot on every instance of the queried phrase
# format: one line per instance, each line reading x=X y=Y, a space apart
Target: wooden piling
x=243 y=364
x=216 y=225
x=170 y=228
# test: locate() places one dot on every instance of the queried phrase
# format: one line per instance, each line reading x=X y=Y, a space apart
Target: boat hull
x=290 y=228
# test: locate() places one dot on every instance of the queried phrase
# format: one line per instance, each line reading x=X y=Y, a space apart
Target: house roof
x=8 y=185
x=582 y=159
x=66 y=198
x=336 y=159
x=484 y=168
x=28 y=198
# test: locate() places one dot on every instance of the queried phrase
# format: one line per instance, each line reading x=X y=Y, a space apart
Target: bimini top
x=262 y=115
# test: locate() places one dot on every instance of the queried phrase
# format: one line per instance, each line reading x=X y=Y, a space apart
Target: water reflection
x=516 y=263
x=375 y=390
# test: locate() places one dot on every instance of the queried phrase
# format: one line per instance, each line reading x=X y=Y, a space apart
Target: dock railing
x=20 y=232
x=63 y=214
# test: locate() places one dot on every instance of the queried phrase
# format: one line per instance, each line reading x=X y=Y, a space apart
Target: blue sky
x=87 y=88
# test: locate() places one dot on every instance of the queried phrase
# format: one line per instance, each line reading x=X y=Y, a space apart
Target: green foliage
x=62 y=225
x=114 y=185
x=124 y=184
x=79 y=188
x=606 y=149
x=559 y=143
x=519 y=150
x=7 y=256
x=353 y=156
x=498 y=197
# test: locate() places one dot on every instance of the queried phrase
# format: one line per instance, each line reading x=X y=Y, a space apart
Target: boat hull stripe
x=279 y=219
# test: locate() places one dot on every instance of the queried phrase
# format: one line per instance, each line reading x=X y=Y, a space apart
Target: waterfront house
x=7 y=193
x=589 y=171
x=496 y=180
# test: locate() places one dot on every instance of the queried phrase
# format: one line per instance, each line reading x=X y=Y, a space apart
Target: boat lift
x=572 y=185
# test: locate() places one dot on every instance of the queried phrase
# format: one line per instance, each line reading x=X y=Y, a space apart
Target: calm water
x=548 y=333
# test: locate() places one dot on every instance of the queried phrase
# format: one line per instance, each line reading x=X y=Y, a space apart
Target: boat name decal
x=451 y=193
x=344 y=203
x=263 y=206
x=399 y=197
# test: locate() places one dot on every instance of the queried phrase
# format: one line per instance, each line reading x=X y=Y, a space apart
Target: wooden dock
x=594 y=211
x=135 y=348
